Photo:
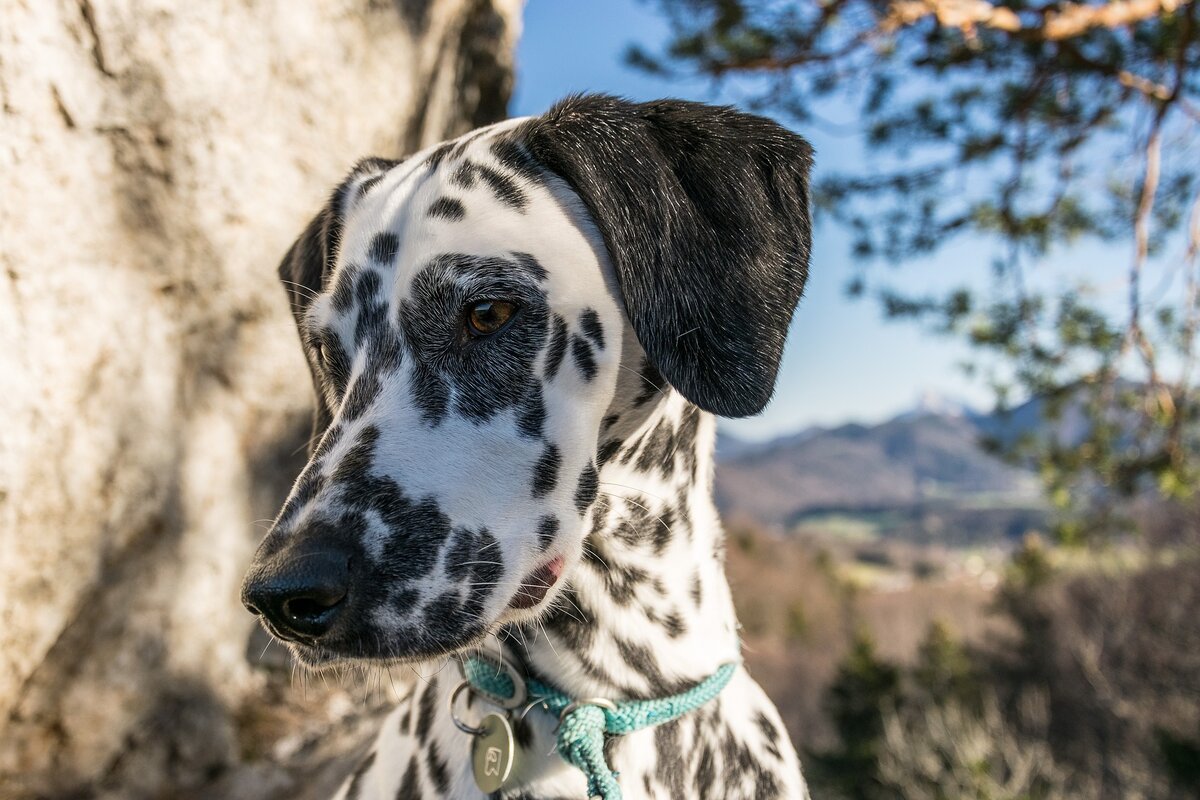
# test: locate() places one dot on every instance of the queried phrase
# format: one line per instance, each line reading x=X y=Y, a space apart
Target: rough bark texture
x=158 y=157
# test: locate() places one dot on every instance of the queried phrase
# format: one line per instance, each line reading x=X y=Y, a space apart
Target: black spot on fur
x=461 y=550
x=372 y=314
x=641 y=659
x=684 y=512
x=584 y=360
x=674 y=624
x=659 y=452
x=436 y=158
x=532 y=416
x=589 y=321
x=465 y=142
x=464 y=176
x=366 y=288
x=515 y=157
x=531 y=265
x=621 y=580
x=685 y=440
x=664 y=530
x=355 y=788
x=697 y=590
x=547 y=530
x=573 y=621
x=505 y=188
x=557 y=348
x=385 y=353
x=632 y=450
x=343 y=288
x=706 y=765
x=409 y=789
x=607 y=451
x=358 y=459
x=366 y=186
x=309 y=485
x=545 y=471
x=487 y=572
x=430 y=393
x=447 y=208
x=589 y=484
x=362 y=395
x=384 y=248
x=652 y=383
x=670 y=765
x=769 y=732
x=438 y=772
x=427 y=710
x=522 y=732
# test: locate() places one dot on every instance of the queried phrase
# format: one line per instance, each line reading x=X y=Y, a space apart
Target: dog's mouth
x=537 y=584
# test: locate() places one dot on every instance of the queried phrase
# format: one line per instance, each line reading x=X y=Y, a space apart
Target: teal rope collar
x=584 y=723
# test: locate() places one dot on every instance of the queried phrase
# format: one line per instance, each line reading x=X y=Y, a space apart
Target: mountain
x=921 y=474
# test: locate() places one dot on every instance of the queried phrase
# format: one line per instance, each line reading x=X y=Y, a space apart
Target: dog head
x=472 y=316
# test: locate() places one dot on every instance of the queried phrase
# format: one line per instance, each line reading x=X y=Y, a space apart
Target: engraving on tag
x=493 y=753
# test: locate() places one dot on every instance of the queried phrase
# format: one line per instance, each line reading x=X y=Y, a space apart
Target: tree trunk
x=158 y=159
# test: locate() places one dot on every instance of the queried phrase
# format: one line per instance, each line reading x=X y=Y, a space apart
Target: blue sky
x=843 y=361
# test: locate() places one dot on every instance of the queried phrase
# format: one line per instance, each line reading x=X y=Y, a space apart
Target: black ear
x=705 y=213
x=310 y=261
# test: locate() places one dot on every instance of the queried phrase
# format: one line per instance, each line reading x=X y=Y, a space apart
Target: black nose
x=300 y=594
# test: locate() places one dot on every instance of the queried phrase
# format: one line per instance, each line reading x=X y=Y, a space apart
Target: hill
x=921 y=475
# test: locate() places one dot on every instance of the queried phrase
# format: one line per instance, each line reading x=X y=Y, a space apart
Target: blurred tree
x=1114 y=655
x=943 y=670
x=1030 y=125
x=864 y=686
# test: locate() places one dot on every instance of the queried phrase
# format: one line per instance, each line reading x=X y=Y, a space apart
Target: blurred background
x=964 y=539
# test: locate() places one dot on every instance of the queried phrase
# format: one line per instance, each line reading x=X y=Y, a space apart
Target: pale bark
x=158 y=158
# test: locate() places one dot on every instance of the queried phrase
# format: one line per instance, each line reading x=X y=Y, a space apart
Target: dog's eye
x=489 y=316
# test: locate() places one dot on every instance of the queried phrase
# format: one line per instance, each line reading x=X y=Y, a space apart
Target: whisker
x=657 y=519
x=595 y=554
x=299 y=287
x=637 y=489
x=546 y=634
x=660 y=389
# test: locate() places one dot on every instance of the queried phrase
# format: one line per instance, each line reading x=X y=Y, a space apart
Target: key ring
x=577 y=704
x=462 y=726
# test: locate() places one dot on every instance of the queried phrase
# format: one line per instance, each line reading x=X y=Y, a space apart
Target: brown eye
x=489 y=316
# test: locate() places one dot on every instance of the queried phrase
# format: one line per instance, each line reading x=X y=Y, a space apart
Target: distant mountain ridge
x=922 y=462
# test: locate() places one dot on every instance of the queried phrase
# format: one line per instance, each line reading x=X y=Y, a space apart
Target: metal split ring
x=591 y=701
x=462 y=726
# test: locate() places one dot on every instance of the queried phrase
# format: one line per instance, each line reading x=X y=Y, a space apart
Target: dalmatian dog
x=519 y=339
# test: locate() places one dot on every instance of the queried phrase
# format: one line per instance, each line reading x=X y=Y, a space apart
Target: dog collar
x=582 y=723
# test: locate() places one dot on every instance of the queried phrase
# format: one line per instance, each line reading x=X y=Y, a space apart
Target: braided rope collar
x=584 y=723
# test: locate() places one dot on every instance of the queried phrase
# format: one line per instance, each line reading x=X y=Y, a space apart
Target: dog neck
x=647 y=612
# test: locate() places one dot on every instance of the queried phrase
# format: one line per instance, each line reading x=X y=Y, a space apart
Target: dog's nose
x=302 y=594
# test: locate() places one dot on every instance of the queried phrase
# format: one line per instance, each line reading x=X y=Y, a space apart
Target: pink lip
x=535 y=586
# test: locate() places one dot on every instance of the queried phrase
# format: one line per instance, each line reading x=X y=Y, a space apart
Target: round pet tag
x=492 y=753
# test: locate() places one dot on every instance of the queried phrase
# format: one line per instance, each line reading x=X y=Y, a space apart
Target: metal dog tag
x=492 y=753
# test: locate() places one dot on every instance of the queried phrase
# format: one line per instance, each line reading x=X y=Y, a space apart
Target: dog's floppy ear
x=705 y=213
x=310 y=261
